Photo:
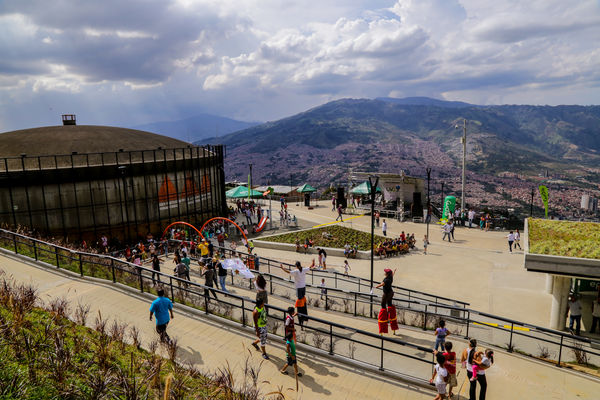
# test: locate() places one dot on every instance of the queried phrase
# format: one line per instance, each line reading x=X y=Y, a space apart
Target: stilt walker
x=387 y=314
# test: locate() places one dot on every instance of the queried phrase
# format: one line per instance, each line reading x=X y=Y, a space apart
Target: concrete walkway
x=209 y=344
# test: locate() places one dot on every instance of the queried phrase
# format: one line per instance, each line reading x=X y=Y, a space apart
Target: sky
x=130 y=62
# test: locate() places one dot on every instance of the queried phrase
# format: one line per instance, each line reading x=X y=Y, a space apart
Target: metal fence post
x=468 y=324
x=560 y=350
x=335 y=276
x=206 y=301
x=510 y=346
x=15 y=243
x=80 y=264
x=355 y=304
x=331 y=339
x=172 y=291
x=381 y=362
x=270 y=284
x=112 y=268
x=243 y=313
x=425 y=319
x=35 y=250
x=57 y=257
x=141 y=280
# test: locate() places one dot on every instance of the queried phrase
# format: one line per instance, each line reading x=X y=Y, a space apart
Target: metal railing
x=543 y=343
x=390 y=354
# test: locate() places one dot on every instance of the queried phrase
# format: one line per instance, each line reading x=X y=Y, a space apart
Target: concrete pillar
x=549 y=283
x=560 y=295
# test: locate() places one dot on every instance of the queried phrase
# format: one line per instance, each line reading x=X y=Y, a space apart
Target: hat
x=387 y=271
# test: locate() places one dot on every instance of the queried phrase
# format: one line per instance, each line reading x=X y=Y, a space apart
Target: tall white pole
x=464 y=163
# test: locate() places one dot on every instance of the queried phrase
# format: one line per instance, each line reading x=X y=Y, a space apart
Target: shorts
x=262 y=335
x=452 y=382
x=291 y=360
x=441 y=388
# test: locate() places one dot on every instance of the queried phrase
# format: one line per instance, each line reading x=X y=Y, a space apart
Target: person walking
x=259 y=315
x=518 y=240
x=162 y=309
x=322 y=258
x=441 y=332
x=339 y=210
x=425 y=244
x=446 y=230
x=377 y=215
x=384 y=228
x=574 y=306
x=249 y=216
x=511 y=240
x=156 y=268
x=333 y=203
x=290 y=349
x=471 y=216
x=299 y=275
x=595 y=314
x=451 y=229
x=222 y=273
x=467 y=360
x=208 y=272
x=439 y=377
x=346 y=268
x=260 y=284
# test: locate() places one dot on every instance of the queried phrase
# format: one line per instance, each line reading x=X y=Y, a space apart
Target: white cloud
x=264 y=59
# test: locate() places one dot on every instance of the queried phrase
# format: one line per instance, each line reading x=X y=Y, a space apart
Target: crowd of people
x=402 y=244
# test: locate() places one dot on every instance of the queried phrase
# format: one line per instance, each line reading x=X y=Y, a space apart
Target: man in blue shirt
x=161 y=308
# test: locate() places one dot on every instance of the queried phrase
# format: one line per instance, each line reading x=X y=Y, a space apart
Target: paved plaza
x=476 y=268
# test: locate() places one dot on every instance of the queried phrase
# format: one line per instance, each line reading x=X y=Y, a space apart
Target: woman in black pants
x=467 y=358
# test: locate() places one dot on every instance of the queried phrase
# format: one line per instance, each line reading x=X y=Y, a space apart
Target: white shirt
x=575 y=307
x=486 y=363
x=440 y=374
x=471 y=214
x=596 y=309
x=299 y=277
x=511 y=237
x=517 y=236
x=384 y=226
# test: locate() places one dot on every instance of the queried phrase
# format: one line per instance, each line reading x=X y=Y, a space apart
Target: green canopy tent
x=364 y=189
x=241 y=192
x=306 y=189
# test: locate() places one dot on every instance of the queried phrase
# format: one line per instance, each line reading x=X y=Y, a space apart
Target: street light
x=250 y=183
x=428 y=217
x=464 y=162
x=373 y=191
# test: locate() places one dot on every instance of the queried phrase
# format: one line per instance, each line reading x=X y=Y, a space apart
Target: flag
x=268 y=192
x=544 y=195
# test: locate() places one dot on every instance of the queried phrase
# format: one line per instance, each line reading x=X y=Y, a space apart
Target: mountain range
x=388 y=135
x=196 y=128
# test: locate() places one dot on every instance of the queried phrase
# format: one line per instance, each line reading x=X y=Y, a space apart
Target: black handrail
x=192 y=288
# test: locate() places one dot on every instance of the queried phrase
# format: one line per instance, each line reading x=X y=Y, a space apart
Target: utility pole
x=464 y=163
x=531 y=204
x=428 y=217
x=442 y=202
x=250 y=183
x=373 y=192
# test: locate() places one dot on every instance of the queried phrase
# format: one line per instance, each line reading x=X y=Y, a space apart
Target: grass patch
x=329 y=236
x=564 y=238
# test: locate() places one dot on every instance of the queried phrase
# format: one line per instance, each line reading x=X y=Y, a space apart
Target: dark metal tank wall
x=123 y=195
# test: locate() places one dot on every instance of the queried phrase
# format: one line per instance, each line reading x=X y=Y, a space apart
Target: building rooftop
x=59 y=140
x=564 y=238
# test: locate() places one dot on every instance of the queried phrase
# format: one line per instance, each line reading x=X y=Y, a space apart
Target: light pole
x=250 y=183
x=464 y=163
x=428 y=217
x=531 y=204
x=373 y=189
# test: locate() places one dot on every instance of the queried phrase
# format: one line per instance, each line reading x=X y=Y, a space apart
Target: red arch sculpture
x=228 y=220
x=183 y=223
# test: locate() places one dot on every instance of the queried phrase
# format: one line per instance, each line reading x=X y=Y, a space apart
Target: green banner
x=449 y=205
x=544 y=195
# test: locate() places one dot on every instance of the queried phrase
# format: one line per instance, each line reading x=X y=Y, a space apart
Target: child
x=441 y=332
x=323 y=288
x=290 y=347
x=346 y=267
x=450 y=366
x=482 y=361
x=425 y=243
x=289 y=323
x=441 y=377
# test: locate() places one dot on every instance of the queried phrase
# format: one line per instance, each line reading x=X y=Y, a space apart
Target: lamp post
x=250 y=183
x=291 y=185
x=464 y=163
x=428 y=217
x=531 y=204
x=442 y=202
x=373 y=191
